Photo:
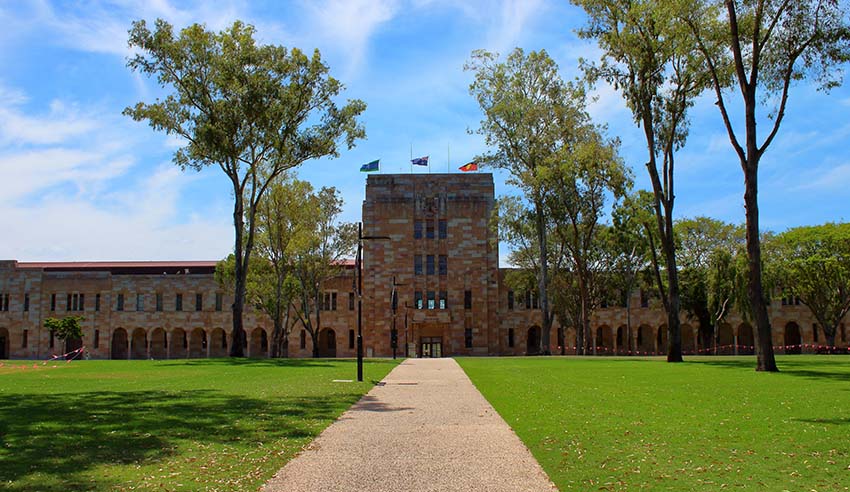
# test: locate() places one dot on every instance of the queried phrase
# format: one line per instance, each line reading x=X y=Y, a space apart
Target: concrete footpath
x=425 y=428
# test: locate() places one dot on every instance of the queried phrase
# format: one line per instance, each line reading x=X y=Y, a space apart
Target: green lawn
x=138 y=425
x=707 y=424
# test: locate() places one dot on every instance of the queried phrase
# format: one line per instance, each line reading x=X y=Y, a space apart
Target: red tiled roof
x=61 y=265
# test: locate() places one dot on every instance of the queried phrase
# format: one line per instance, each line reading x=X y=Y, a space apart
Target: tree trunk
x=542 y=278
x=674 y=329
x=765 y=359
x=238 y=333
x=830 y=339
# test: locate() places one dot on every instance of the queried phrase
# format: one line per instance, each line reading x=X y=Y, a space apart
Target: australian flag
x=420 y=161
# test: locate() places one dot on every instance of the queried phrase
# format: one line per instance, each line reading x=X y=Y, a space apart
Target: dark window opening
x=53 y=302
x=140 y=302
x=97 y=302
x=96 y=338
x=303 y=342
x=417 y=299
x=467 y=338
x=26 y=302
x=417 y=265
x=417 y=229
x=429 y=229
x=510 y=301
x=159 y=301
x=431 y=299
x=444 y=300
x=68 y=303
x=52 y=340
x=429 y=265
x=443 y=229
x=219 y=300
x=25 y=339
x=510 y=337
x=528 y=300
x=351 y=339
x=467 y=299
x=351 y=301
x=178 y=302
x=333 y=301
x=444 y=265
x=199 y=302
x=120 y=304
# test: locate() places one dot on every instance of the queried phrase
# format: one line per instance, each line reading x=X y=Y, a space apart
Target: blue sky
x=82 y=182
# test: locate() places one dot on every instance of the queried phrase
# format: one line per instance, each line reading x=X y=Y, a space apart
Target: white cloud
x=81 y=195
x=349 y=24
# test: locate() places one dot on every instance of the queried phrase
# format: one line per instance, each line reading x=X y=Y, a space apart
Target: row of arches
x=178 y=343
x=645 y=339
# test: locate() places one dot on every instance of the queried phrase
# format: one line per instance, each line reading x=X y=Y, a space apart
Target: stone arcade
x=441 y=260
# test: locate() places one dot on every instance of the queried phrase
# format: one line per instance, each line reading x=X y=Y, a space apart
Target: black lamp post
x=359 y=272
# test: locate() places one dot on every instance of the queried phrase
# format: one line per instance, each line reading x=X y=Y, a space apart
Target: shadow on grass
x=835 y=368
x=60 y=437
x=237 y=361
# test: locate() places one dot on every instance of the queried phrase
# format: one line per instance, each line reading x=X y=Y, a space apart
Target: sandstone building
x=431 y=249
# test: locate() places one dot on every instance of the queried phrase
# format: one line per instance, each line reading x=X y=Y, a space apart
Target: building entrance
x=432 y=347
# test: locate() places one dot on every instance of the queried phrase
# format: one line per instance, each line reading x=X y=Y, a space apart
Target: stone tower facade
x=433 y=245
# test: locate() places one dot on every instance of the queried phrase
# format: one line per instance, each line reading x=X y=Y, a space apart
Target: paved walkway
x=427 y=428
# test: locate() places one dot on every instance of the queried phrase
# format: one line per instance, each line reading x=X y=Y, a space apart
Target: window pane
x=429 y=265
x=429 y=229
x=417 y=265
x=431 y=300
x=444 y=265
x=417 y=229
x=443 y=229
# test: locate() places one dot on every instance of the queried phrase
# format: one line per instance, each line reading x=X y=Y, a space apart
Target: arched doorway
x=532 y=341
x=259 y=346
x=139 y=344
x=327 y=343
x=688 y=345
x=179 y=344
x=197 y=344
x=119 y=344
x=705 y=338
x=218 y=343
x=622 y=340
x=604 y=341
x=725 y=339
x=645 y=342
x=746 y=342
x=4 y=343
x=792 y=338
x=72 y=344
x=159 y=344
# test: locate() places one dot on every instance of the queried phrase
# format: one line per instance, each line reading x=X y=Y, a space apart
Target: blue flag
x=421 y=161
x=371 y=167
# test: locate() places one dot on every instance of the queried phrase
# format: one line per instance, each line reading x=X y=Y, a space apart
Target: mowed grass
x=706 y=424
x=166 y=425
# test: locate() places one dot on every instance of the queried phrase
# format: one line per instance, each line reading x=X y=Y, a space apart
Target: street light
x=359 y=273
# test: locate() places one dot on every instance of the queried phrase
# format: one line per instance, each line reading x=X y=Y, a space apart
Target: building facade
x=432 y=287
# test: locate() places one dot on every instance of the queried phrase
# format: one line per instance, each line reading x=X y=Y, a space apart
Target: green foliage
x=67 y=328
x=813 y=263
x=709 y=424
x=216 y=424
x=237 y=103
x=252 y=110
